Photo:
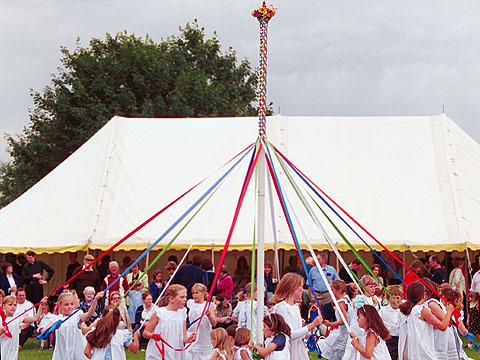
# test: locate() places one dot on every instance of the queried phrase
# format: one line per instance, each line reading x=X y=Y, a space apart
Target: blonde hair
x=395 y=290
x=368 y=280
x=220 y=341
x=171 y=292
x=8 y=299
x=287 y=286
x=200 y=288
x=62 y=298
x=242 y=337
x=340 y=286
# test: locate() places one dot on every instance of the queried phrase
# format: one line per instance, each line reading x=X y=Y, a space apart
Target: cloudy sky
x=325 y=58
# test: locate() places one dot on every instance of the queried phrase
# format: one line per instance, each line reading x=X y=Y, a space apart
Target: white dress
x=8 y=345
x=333 y=347
x=170 y=326
x=380 y=351
x=202 y=348
x=69 y=341
x=121 y=339
x=416 y=339
x=291 y=315
x=283 y=354
x=454 y=347
x=240 y=350
x=244 y=313
x=222 y=356
x=440 y=338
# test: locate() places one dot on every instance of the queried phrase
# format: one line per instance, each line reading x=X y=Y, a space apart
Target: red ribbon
x=4 y=323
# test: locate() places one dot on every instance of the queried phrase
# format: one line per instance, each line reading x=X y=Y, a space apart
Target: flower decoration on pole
x=263 y=14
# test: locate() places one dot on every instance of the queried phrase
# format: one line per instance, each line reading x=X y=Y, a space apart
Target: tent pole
x=260 y=244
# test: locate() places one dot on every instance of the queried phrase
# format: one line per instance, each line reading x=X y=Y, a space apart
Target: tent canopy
x=411 y=181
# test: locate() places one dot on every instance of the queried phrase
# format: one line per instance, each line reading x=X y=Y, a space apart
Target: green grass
x=31 y=351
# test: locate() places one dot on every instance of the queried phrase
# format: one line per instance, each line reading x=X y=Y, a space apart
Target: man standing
x=355 y=265
x=190 y=274
x=120 y=286
x=319 y=285
x=32 y=274
x=72 y=266
x=89 y=277
x=26 y=330
x=438 y=275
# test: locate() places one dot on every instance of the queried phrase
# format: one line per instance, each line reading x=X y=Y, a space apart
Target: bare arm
x=38 y=315
x=148 y=332
x=85 y=316
x=343 y=308
x=212 y=317
x=265 y=351
x=88 y=350
x=188 y=339
x=133 y=347
x=366 y=351
x=441 y=325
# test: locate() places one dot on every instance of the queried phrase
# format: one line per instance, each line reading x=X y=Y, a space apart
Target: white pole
x=260 y=244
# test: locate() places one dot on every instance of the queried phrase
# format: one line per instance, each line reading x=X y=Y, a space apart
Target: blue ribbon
x=312 y=344
x=195 y=204
x=471 y=337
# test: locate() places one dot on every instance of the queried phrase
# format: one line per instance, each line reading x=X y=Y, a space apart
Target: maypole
x=263 y=15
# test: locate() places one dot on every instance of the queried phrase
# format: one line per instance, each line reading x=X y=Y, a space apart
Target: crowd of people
x=345 y=315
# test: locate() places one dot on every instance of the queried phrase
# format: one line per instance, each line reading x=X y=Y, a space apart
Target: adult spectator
x=173 y=258
x=412 y=275
x=12 y=259
x=438 y=275
x=190 y=274
x=33 y=276
x=157 y=285
x=72 y=266
x=355 y=266
x=103 y=267
x=207 y=265
x=143 y=314
x=170 y=267
x=120 y=286
x=377 y=270
x=225 y=284
x=456 y=278
x=310 y=263
x=475 y=286
x=113 y=299
x=89 y=277
x=26 y=329
x=223 y=312
x=270 y=281
x=9 y=281
x=241 y=275
x=89 y=294
x=126 y=261
x=292 y=265
x=319 y=285
x=135 y=274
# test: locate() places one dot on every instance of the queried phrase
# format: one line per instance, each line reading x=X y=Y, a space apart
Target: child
x=9 y=345
x=222 y=350
x=134 y=300
x=277 y=338
x=69 y=341
x=242 y=340
x=371 y=345
x=454 y=348
x=391 y=317
x=416 y=339
x=170 y=322
x=201 y=349
x=473 y=319
x=243 y=312
x=333 y=347
x=46 y=318
x=106 y=341
x=232 y=332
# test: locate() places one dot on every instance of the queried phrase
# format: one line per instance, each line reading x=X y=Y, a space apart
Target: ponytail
x=415 y=293
x=105 y=329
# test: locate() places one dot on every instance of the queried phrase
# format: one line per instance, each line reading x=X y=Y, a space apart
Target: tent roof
x=411 y=181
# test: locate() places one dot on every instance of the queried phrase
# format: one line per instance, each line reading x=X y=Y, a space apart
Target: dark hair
x=207 y=264
x=473 y=296
x=339 y=285
x=415 y=292
x=171 y=265
x=415 y=264
x=457 y=261
x=435 y=259
x=5 y=266
x=173 y=258
x=453 y=297
x=431 y=294
x=356 y=262
x=197 y=260
x=105 y=329
x=155 y=274
x=277 y=324
x=145 y=294
x=20 y=289
x=231 y=330
x=374 y=321
x=242 y=337
x=31 y=253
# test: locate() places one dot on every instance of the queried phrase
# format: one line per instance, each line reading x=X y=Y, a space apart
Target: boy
x=391 y=318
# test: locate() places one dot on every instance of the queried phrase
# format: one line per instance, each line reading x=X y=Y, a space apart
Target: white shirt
x=476 y=282
x=11 y=283
x=22 y=307
x=391 y=319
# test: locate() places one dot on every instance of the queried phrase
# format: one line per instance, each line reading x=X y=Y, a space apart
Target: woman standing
x=157 y=284
x=9 y=281
x=289 y=291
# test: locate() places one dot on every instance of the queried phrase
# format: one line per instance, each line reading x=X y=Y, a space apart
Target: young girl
x=70 y=343
x=473 y=319
x=287 y=293
x=134 y=300
x=454 y=348
x=9 y=345
x=114 y=298
x=416 y=340
x=277 y=334
x=242 y=341
x=333 y=347
x=106 y=341
x=221 y=345
x=46 y=318
x=169 y=322
x=372 y=345
x=243 y=312
x=201 y=349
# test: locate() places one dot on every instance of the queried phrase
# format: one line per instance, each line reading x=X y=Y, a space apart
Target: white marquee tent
x=412 y=181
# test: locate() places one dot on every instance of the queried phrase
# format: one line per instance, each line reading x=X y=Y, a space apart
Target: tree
x=182 y=76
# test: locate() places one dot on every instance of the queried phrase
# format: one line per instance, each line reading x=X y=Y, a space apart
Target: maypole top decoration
x=263 y=14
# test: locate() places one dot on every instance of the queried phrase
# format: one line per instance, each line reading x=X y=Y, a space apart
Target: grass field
x=32 y=351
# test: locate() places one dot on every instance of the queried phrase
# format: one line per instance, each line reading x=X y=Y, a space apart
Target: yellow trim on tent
x=242 y=247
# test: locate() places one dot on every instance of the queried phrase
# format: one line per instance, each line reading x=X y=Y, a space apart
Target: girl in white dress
x=9 y=345
x=221 y=345
x=288 y=292
x=416 y=340
x=168 y=322
x=202 y=348
x=454 y=349
x=277 y=342
x=333 y=347
x=69 y=341
x=106 y=341
x=242 y=342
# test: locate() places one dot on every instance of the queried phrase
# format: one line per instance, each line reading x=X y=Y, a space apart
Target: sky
x=353 y=58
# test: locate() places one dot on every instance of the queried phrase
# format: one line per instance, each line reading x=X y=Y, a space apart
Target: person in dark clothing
x=207 y=265
x=355 y=265
x=190 y=274
x=89 y=277
x=72 y=266
x=438 y=275
x=32 y=274
x=103 y=267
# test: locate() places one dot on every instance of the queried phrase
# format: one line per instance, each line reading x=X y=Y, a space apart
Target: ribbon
x=471 y=337
x=312 y=343
x=3 y=315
